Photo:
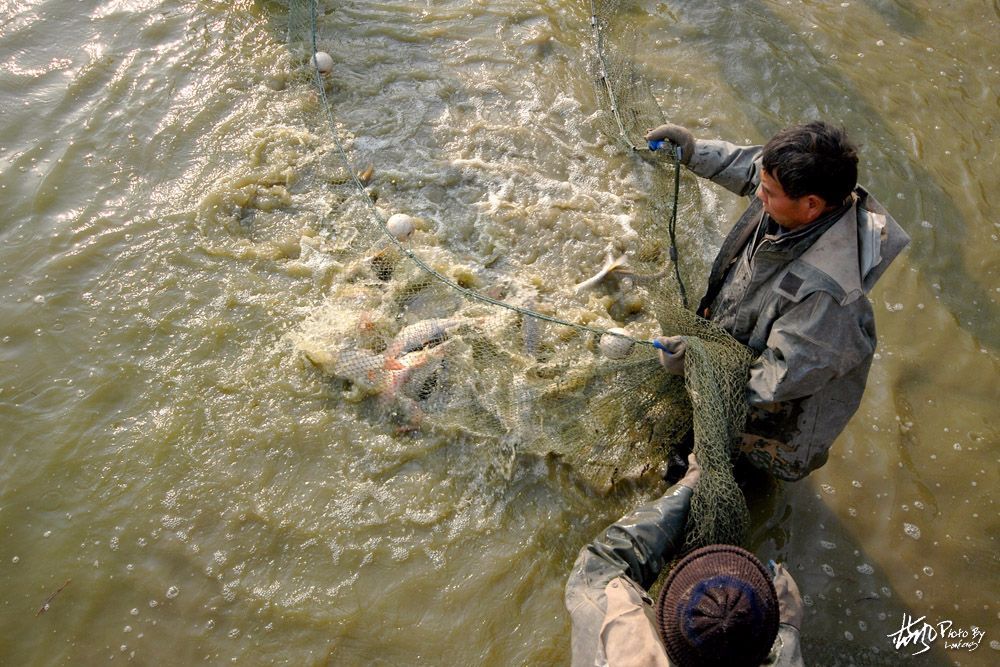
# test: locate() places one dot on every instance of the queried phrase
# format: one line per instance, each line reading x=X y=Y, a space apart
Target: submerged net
x=423 y=338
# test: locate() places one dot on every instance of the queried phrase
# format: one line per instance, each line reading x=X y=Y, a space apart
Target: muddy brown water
x=178 y=488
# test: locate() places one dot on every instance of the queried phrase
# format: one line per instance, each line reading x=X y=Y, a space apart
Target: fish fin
x=610 y=264
x=393 y=364
x=365 y=175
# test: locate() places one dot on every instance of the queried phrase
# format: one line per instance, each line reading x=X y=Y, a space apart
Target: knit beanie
x=718 y=607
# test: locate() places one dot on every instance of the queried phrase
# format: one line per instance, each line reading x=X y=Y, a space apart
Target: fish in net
x=423 y=337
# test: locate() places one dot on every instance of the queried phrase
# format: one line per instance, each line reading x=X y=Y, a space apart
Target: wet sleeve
x=636 y=546
x=816 y=341
x=789 y=650
x=736 y=168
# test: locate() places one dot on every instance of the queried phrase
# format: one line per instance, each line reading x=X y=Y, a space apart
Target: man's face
x=787 y=212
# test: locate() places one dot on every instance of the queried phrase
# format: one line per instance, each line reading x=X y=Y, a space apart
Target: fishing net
x=422 y=337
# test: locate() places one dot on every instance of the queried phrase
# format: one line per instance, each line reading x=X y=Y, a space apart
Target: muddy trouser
x=636 y=546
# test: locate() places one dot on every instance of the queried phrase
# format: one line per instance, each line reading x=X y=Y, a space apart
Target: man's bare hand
x=693 y=474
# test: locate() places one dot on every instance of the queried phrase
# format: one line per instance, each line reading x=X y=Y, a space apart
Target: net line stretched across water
x=410 y=343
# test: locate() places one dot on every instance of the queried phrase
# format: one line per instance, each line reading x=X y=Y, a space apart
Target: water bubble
x=865 y=568
x=957 y=446
x=153 y=604
x=210 y=623
x=911 y=530
x=995 y=645
x=919 y=505
x=920 y=595
x=135 y=611
x=172 y=592
x=827 y=569
x=852 y=512
x=886 y=591
x=128 y=628
x=828 y=489
x=46 y=533
x=862 y=626
x=113 y=543
x=827 y=544
x=40 y=299
x=856 y=484
x=928 y=570
x=15 y=560
x=848 y=635
x=807 y=600
x=234 y=633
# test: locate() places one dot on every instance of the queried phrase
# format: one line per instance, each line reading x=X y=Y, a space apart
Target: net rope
x=419 y=345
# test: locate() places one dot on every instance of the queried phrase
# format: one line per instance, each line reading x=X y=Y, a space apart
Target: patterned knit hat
x=718 y=607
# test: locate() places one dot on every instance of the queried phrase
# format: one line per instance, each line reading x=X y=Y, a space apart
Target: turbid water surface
x=177 y=486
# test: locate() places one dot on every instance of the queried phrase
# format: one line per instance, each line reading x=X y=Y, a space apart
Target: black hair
x=813 y=159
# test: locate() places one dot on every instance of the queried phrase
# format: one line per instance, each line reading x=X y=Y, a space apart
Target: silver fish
x=610 y=265
x=423 y=334
x=373 y=374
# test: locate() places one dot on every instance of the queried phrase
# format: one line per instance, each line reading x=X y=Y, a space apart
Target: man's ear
x=815 y=204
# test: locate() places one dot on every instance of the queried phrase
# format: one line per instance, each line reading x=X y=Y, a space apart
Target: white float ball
x=615 y=347
x=323 y=62
x=400 y=225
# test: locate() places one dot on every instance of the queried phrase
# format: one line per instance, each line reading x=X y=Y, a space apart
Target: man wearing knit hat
x=719 y=606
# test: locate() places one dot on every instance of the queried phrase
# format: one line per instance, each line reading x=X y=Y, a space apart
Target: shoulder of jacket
x=830 y=265
x=802 y=279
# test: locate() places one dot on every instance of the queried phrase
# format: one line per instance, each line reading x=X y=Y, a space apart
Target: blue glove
x=677 y=135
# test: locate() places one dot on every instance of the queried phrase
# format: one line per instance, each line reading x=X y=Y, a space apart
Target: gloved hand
x=671 y=350
x=677 y=135
x=790 y=607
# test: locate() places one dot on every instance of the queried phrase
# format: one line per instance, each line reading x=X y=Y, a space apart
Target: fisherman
x=790 y=282
x=719 y=606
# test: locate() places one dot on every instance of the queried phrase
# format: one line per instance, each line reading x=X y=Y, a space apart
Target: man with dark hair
x=719 y=605
x=790 y=282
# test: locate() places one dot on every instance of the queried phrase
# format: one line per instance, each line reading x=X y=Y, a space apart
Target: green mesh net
x=414 y=335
